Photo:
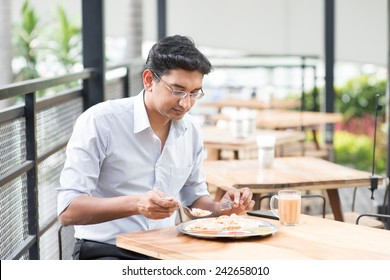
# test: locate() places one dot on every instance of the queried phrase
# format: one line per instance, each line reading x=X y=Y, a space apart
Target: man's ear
x=147 y=77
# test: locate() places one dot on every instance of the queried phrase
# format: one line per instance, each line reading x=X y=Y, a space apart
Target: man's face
x=168 y=105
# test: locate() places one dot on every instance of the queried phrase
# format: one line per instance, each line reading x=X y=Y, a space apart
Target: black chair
x=376 y=220
x=66 y=242
x=381 y=217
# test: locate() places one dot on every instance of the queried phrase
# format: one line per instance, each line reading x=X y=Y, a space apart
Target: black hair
x=175 y=52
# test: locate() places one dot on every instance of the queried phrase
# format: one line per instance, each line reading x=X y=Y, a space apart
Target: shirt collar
x=141 y=119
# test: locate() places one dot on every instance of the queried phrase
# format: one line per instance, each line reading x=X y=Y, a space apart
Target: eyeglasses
x=182 y=94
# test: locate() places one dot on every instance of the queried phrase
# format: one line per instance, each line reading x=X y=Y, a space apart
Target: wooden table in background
x=253 y=103
x=303 y=173
x=216 y=140
x=284 y=119
x=314 y=238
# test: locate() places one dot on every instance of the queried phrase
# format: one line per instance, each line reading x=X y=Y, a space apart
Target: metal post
x=388 y=109
x=126 y=83
x=329 y=65
x=161 y=19
x=316 y=107
x=303 y=66
x=32 y=176
x=93 y=50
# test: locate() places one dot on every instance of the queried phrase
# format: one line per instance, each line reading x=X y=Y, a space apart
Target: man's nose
x=185 y=102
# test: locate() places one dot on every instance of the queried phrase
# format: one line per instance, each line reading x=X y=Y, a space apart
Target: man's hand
x=241 y=200
x=157 y=205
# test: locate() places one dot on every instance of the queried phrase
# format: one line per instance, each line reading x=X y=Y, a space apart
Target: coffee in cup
x=289 y=206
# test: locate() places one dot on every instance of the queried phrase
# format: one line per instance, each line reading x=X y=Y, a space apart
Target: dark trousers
x=92 y=250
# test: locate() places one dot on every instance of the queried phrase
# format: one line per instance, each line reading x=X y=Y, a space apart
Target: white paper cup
x=239 y=127
x=266 y=150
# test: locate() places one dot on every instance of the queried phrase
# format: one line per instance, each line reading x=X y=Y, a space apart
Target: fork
x=225 y=206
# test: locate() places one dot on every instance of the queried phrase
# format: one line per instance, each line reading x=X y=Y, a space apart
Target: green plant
x=310 y=96
x=357 y=97
x=356 y=151
x=354 y=99
x=66 y=41
x=55 y=51
x=27 y=43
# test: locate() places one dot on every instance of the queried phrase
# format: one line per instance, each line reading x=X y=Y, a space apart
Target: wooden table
x=216 y=140
x=303 y=173
x=252 y=103
x=315 y=238
x=283 y=119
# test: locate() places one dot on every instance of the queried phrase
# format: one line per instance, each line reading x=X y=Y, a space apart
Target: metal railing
x=33 y=137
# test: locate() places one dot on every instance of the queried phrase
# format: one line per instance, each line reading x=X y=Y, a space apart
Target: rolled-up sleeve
x=85 y=153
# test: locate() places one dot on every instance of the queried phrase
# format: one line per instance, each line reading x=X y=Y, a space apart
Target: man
x=132 y=161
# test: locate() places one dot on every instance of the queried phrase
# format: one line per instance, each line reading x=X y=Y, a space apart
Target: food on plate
x=232 y=226
x=200 y=212
x=225 y=222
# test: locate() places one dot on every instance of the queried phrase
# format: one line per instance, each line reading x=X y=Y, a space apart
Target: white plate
x=254 y=227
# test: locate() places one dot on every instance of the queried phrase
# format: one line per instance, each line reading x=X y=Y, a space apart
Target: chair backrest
x=66 y=242
x=381 y=217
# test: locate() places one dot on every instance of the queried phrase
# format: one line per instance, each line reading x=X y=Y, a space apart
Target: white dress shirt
x=113 y=151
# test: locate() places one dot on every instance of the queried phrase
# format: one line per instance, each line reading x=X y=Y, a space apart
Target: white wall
x=362 y=29
x=280 y=26
x=256 y=26
x=264 y=27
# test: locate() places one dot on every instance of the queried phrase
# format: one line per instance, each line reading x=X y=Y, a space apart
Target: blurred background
x=245 y=40
x=268 y=50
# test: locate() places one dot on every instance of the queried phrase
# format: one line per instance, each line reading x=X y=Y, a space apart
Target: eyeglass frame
x=179 y=93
